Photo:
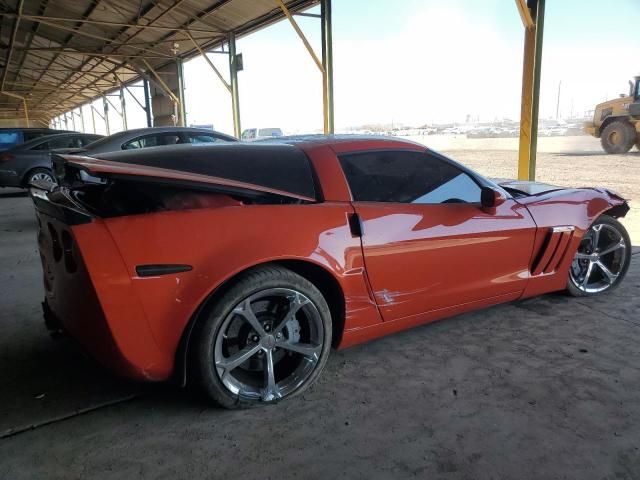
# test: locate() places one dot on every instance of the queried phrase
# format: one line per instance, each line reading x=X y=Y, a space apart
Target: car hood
x=527 y=187
x=529 y=193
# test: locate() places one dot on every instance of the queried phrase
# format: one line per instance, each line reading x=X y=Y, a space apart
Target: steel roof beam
x=39 y=18
x=12 y=40
x=34 y=30
x=525 y=14
x=72 y=51
x=124 y=29
x=68 y=38
x=249 y=26
x=98 y=37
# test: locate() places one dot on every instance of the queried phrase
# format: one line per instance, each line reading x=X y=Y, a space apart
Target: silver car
x=151 y=137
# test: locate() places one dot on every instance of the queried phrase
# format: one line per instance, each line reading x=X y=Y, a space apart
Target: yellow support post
x=235 y=95
x=24 y=104
x=161 y=82
x=327 y=63
x=295 y=26
x=525 y=15
x=525 y=106
x=533 y=21
x=26 y=111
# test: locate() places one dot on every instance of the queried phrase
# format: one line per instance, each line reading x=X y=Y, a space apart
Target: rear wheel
x=267 y=338
x=602 y=259
x=618 y=137
x=42 y=174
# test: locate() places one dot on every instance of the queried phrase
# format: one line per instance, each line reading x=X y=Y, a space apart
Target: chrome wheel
x=41 y=176
x=600 y=260
x=269 y=344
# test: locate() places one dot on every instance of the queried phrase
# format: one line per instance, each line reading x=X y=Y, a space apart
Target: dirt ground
x=542 y=388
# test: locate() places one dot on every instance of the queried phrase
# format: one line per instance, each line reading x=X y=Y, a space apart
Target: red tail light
x=5 y=157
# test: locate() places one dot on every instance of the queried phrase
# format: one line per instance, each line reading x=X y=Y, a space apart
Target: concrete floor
x=542 y=388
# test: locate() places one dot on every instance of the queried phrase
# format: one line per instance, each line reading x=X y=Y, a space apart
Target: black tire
x=35 y=173
x=624 y=260
x=252 y=283
x=618 y=137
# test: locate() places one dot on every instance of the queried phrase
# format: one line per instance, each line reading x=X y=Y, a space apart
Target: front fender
x=576 y=208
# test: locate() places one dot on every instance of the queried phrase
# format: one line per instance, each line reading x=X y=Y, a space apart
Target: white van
x=251 y=134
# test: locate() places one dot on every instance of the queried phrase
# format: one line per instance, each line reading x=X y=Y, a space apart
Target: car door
x=427 y=242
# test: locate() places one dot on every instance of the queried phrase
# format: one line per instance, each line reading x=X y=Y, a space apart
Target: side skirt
x=360 y=335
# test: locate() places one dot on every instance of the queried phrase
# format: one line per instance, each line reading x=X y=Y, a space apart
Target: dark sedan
x=31 y=161
x=152 y=137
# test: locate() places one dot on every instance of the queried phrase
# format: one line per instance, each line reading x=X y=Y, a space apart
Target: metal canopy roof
x=58 y=54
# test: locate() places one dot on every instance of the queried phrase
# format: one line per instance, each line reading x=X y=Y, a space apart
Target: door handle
x=355 y=224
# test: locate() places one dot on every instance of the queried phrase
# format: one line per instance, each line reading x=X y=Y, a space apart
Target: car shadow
x=13 y=194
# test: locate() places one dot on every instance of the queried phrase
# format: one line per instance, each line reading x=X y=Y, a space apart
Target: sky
x=423 y=61
x=416 y=62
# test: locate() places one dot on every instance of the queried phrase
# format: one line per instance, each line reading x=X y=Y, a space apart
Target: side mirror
x=491 y=198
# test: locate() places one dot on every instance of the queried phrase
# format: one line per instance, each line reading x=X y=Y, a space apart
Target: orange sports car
x=240 y=266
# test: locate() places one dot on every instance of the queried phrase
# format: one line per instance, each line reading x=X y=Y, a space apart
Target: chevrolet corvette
x=240 y=266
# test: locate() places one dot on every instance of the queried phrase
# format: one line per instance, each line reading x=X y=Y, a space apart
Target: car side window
x=32 y=135
x=249 y=134
x=66 y=142
x=201 y=138
x=407 y=177
x=42 y=146
x=87 y=140
x=152 y=141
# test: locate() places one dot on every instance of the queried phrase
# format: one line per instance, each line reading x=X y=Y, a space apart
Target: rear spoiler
x=73 y=171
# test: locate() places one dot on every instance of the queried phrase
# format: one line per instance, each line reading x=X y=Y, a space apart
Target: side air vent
x=553 y=250
x=162 y=269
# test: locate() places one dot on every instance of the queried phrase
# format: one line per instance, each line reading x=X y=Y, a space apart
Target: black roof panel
x=280 y=167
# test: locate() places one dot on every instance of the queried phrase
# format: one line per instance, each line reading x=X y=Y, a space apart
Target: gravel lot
x=537 y=389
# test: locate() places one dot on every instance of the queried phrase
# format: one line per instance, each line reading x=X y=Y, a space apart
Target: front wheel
x=41 y=174
x=602 y=259
x=267 y=338
x=618 y=137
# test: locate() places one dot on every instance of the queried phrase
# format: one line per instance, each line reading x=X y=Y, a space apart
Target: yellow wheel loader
x=617 y=122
